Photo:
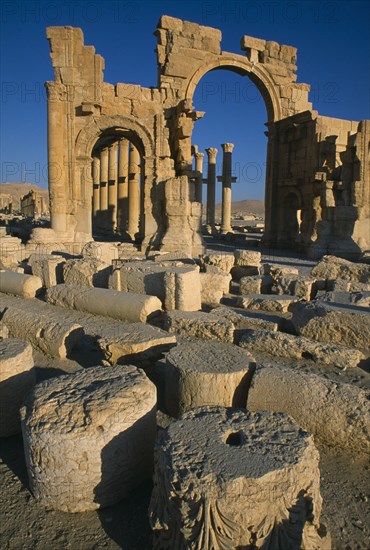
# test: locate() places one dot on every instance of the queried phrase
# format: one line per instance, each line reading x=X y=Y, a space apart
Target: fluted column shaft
x=211 y=188
x=199 y=176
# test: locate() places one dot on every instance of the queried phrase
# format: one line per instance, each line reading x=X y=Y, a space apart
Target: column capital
x=227 y=147
x=113 y=146
x=212 y=154
x=199 y=155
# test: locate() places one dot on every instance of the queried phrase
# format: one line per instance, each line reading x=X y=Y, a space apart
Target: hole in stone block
x=307 y=355
x=234 y=439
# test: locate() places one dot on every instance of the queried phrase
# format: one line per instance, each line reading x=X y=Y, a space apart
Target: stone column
x=96 y=186
x=226 y=187
x=211 y=188
x=133 y=192
x=122 y=205
x=104 y=187
x=57 y=170
x=199 y=176
x=112 y=186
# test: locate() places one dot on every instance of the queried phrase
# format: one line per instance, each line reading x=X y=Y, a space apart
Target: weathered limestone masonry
x=120 y=156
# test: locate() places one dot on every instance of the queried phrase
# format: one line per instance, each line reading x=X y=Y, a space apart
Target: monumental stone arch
x=92 y=124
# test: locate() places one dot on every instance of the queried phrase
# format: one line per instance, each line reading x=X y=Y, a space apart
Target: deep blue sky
x=332 y=38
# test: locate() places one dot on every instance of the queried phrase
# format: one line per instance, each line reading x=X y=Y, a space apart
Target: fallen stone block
x=339 y=285
x=239 y=271
x=302 y=287
x=298 y=347
x=223 y=261
x=125 y=306
x=214 y=284
x=224 y=478
x=336 y=324
x=206 y=373
x=361 y=299
x=86 y=272
x=49 y=267
x=105 y=252
x=17 y=377
x=19 y=284
x=197 y=324
x=12 y=250
x=257 y=284
x=275 y=271
x=247 y=258
x=267 y=302
x=89 y=437
x=113 y=341
x=135 y=341
x=337 y=414
x=331 y=267
x=176 y=287
x=245 y=320
x=55 y=338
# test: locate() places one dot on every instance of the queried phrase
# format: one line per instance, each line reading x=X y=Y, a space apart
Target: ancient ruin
x=139 y=342
x=121 y=156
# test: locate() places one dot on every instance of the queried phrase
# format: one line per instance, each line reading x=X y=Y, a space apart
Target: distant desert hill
x=17 y=190
x=247 y=206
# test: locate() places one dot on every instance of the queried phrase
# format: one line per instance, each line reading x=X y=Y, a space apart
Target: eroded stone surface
x=228 y=478
x=337 y=414
x=17 y=377
x=200 y=325
x=327 y=322
x=331 y=267
x=267 y=302
x=298 y=347
x=88 y=271
x=206 y=373
x=49 y=267
x=248 y=258
x=89 y=437
x=222 y=261
x=214 y=284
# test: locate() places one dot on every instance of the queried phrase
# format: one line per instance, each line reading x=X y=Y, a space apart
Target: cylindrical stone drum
x=206 y=373
x=89 y=437
x=229 y=478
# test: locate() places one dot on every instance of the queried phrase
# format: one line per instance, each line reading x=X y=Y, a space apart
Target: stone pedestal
x=228 y=478
x=211 y=189
x=89 y=437
x=207 y=373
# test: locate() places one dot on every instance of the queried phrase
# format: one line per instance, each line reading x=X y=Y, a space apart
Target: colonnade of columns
x=226 y=179
x=116 y=171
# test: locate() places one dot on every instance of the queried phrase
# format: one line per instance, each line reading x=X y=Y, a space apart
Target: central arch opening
x=118 y=172
x=235 y=113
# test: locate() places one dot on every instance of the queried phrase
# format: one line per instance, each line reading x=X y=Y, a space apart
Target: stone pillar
x=103 y=186
x=199 y=176
x=226 y=187
x=122 y=204
x=112 y=186
x=96 y=186
x=58 y=177
x=211 y=188
x=133 y=192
